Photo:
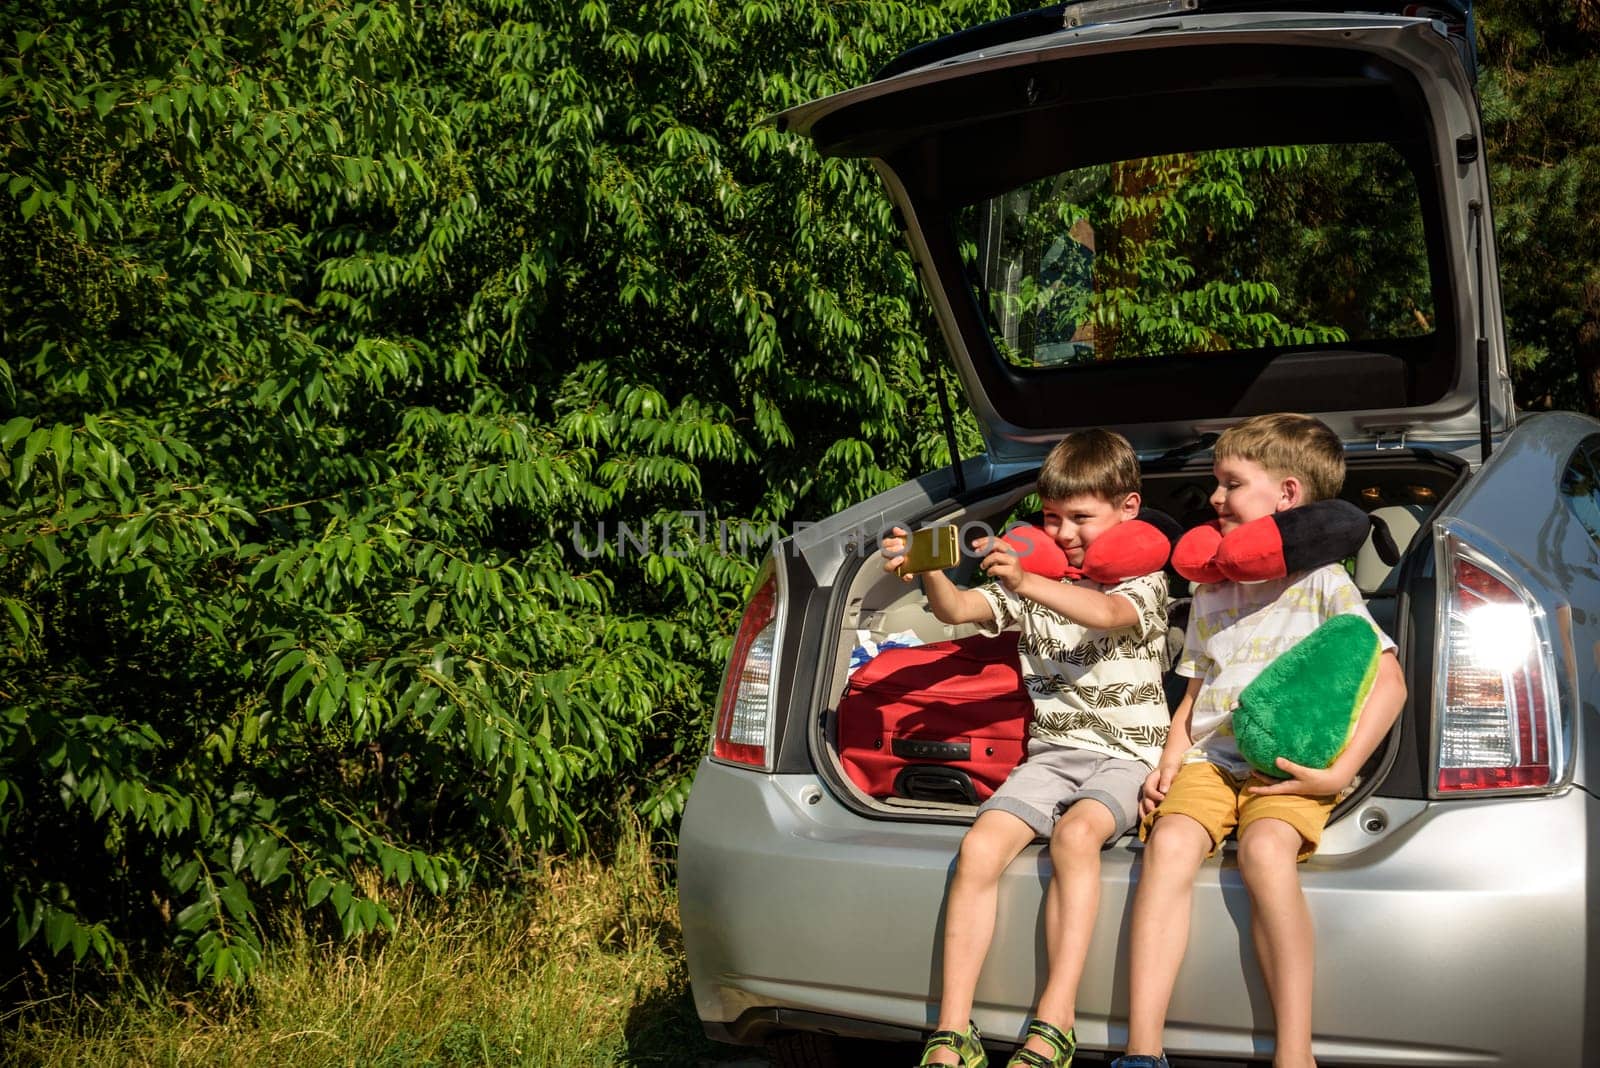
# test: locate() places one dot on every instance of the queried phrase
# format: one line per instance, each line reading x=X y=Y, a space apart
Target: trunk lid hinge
x=1389 y=438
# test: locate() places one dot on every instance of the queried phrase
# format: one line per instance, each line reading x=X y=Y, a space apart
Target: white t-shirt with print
x=1093 y=689
x=1236 y=629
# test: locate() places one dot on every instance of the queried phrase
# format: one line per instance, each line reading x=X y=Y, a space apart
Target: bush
x=363 y=360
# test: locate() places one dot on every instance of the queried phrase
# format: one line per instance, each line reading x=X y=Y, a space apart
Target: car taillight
x=1499 y=713
x=742 y=733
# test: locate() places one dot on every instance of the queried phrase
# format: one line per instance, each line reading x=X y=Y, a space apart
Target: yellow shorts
x=1218 y=802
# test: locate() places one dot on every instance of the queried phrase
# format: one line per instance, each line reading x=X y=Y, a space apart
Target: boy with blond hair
x=1202 y=788
x=1100 y=716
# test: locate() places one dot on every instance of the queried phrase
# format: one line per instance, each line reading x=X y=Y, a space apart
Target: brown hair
x=1100 y=462
x=1289 y=445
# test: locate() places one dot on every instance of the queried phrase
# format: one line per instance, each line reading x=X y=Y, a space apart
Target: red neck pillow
x=1323 y=532
x=1128 y=550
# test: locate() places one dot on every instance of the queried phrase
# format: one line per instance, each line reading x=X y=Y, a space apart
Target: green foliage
x=362 y=360
x=1203 y=252
x=1541 y=63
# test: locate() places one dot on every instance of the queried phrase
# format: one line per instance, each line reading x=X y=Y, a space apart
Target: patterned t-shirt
x=1236 y=629
x=1093 y=689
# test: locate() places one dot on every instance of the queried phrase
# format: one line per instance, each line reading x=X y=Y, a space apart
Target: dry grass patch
x=584 y=968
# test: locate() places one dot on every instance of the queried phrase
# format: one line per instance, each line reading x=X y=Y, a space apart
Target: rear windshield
x=1301 y=245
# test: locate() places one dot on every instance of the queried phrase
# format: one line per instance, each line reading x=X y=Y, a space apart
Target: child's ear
x=1291 y=494
x=1131 y=505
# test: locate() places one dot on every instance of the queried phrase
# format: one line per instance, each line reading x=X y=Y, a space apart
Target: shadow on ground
x=663 y=1032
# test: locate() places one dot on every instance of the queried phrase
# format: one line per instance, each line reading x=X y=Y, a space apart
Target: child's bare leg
x=993 y=842
x=1280 y=924
x=1070 y=906
x=1174 y=849
x=1072 y=902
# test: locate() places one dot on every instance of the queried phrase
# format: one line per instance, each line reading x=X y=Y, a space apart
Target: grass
x=586 y=968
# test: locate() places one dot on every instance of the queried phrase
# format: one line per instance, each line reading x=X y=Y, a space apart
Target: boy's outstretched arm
x=1377 y=716
x=948 y=602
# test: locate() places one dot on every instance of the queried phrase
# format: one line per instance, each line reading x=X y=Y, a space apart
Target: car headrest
x=1403 y=520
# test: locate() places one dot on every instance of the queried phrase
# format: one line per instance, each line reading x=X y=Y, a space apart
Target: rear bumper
x=1462 y=935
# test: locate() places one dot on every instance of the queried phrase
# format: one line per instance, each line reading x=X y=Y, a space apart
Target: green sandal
x=968 y=1046
x=1062 y=1047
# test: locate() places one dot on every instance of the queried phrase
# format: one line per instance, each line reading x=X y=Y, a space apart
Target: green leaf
x=80 y=941
x=273 y=868
x=19 y=616
x=47 y=548
x=61 y=445
x=15 y=428
x=317 y=889
x=196 y=916
x=235 y=897
x=58 y=929
x=223 y=967
x=184 y=878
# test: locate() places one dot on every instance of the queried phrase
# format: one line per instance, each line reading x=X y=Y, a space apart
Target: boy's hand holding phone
x=893 y=551
x=930 y=549
x=936 y=548
x=1003 y=565
x=928 y=552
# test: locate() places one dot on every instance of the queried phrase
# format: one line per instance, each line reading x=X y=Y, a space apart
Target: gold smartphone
x=931 y=549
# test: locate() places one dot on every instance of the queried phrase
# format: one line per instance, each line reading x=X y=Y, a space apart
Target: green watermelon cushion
x=1304 y=706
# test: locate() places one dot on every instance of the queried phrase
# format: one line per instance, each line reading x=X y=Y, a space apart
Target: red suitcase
x=944 y=722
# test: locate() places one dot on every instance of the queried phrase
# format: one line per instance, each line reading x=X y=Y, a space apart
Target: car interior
x=1402 y=489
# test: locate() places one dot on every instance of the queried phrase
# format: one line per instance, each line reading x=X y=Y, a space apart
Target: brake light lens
x=1499 y=709
x=742 y=733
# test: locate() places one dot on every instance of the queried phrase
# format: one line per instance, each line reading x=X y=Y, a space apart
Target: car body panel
x=799 y=903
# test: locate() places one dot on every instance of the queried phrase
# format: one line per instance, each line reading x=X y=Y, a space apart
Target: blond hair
x=1098 y=462
x=1289 y=445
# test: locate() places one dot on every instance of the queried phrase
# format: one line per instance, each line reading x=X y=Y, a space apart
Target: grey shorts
x=1052 y=777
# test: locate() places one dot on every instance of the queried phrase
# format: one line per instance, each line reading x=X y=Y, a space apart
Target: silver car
x=1163 y=216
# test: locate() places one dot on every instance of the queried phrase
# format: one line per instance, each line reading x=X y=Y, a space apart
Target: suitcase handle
x=927 y=782
x=924 y=749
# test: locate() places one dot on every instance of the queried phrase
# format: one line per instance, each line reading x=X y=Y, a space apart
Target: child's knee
x=1080 y=838
x=1268 y=845
x=983 y=853
x=1177 y=840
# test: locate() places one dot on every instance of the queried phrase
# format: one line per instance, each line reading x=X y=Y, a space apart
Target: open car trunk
x=1169 y=223
x=1403 y=487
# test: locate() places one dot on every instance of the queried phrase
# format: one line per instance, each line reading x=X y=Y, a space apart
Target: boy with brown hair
x=1202 y=788
x=1100 y=716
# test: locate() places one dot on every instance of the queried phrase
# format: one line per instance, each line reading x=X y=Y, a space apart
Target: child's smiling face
x=1075 y=522
x=1247 y=491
